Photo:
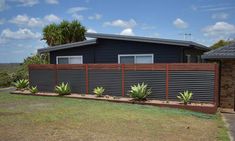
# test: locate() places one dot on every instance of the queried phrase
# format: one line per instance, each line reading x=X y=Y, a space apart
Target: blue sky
x=21 y=21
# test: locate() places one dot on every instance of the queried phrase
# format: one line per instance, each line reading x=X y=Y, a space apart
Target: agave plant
x=21 y=84
x=140 y=91
x=63 y=89
x=185 y=97
x=33 y=89
x=98 y=91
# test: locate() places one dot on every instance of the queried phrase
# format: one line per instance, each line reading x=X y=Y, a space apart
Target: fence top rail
x=160 y=66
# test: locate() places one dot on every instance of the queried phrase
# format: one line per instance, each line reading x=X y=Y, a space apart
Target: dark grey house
x=107 y=48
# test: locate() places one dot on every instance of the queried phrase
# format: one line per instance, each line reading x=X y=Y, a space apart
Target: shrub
x=21 y=84
x=63 y=89
x=33 y=89
x=140 y=91
x=185 y=97
x=5 y=79
x=98 y=91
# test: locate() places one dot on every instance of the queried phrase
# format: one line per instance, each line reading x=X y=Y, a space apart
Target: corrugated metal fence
x=166 y=80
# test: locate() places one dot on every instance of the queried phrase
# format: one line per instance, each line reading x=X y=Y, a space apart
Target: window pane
x=75 y=60
x=63 y=60
x=127 y=59
x=199 y=60
x=144 y=60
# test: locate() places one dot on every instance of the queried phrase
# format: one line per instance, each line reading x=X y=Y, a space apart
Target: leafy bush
x=33 y=89
x=22 y=72
x=140 y=91
x=63 y=89
x=98 y=91
x=185 y=97
x=21 y=84
x=5 y=79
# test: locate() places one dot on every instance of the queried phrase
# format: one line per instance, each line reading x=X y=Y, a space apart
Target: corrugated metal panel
x=43 y=79
x=75 y=78
x=155 y=79
x=201 y=83
x=109 y=79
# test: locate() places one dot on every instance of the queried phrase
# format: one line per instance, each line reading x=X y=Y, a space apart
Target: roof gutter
x=65 y=46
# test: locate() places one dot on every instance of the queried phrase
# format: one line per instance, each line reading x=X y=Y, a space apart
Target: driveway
x=230 y=119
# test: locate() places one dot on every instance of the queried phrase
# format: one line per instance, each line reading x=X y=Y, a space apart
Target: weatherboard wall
x=107 y=50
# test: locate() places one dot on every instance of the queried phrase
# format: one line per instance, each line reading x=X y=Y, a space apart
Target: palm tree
x=52 y=35
x=65 y=32
x=78 y=31
x=64 y=27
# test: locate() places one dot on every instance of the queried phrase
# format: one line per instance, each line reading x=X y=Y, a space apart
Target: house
x=225 y=56
x=107 y=48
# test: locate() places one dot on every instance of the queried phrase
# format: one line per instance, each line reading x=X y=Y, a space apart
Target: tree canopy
x=220 y=43
x=64 y=32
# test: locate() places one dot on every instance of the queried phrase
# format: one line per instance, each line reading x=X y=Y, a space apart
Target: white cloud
x=220 y=16
x=95 y=17
x=91 y=30
x=215 y=7
x=51 y=18
x=27 y=3
x=76 y=9
x=127 y=31
x=219 y=30
x=52 y=1
x=179 y=23
x=75 y=12
x=3 y=5
x=121 y=23
x=77 y=16
x=25 y=21
x=21 y=34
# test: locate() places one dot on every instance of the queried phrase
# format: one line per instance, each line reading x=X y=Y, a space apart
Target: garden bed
x=198 y=107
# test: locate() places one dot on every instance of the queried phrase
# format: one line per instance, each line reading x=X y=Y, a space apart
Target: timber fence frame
x=167 y=74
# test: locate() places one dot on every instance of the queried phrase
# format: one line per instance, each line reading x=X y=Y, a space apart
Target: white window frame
x=199 y=59
x=57 y=58
x=135 y=55
x=188 y=58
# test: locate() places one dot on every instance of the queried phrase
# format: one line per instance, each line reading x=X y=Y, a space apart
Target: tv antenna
x=187 y=36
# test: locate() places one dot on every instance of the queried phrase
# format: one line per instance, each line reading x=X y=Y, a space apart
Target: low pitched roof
x=125 y=38
x=226 y=52
x=148 y=40
x=69 y=45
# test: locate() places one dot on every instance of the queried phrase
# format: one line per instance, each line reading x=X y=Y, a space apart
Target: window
x=69 y=60
x=188 y=56
x=135 y=59
x=199 y=59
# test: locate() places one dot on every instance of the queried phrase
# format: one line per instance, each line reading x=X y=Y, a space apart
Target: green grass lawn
x=56 y=118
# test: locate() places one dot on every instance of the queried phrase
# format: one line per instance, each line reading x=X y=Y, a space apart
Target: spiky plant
x=185 y=97
x=98 y=91
x=63 y=89
x=33 y=89
x=140 y=91
x=21 y=84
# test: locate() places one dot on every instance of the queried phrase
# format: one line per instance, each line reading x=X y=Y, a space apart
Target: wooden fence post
x=123 y=80
x=167 y=81
x=87 y=79
x=216 y=85
x=55 y=74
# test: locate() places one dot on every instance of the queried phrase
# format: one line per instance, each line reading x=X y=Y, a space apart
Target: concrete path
x=230 y=119
x=9 y=89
